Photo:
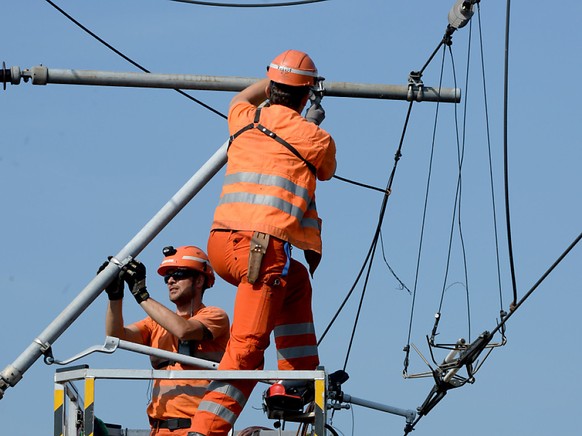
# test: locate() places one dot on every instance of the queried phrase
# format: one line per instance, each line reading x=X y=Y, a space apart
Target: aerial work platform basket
x=75 y=412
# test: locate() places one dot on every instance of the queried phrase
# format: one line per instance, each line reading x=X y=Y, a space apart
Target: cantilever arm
x=41 y=75
x=112 y=344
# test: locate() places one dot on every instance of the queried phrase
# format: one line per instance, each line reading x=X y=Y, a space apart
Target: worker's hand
x=115 y=288
x=135 y=276
x=315 y=113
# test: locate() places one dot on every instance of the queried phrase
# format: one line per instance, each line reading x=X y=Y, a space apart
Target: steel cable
x=127 y=58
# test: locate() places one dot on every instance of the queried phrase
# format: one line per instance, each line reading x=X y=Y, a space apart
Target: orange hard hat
x=188 y=257
x=294 y=68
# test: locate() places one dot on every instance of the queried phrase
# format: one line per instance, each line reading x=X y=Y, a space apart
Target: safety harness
x=257 y=125
x=260 y=240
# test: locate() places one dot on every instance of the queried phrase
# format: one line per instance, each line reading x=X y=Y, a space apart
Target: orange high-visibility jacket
x=269 y=189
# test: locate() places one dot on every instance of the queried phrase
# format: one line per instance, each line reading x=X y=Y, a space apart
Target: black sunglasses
x=179 y=274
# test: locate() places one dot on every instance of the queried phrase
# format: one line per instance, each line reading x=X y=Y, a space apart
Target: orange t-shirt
x=180 y=398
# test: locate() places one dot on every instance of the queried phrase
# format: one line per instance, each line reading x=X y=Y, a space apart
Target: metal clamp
x=415 y=86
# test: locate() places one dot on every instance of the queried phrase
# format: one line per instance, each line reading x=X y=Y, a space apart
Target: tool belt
x=171 y=423
x=259 y=244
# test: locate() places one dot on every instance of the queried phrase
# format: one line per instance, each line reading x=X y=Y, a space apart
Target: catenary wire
x=423 y=224
x=456 y=216
x=461 y=236
x=489 y=154
x=250 y=5
x=505 y=153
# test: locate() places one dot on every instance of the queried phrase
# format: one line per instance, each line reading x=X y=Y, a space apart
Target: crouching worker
x=192 y=329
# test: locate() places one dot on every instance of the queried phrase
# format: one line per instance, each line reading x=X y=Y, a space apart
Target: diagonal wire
x=128 y=59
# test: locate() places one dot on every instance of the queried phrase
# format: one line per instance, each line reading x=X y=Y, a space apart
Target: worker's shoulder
x=241 y=108
x=211 y=310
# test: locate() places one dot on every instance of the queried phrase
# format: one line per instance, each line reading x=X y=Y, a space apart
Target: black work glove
x=115 y=288
x=135 y=276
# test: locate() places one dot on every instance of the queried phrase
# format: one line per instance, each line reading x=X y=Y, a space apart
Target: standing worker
x=267 y=205
x=193 y=329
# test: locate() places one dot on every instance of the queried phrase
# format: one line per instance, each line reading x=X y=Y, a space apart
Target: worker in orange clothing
x=267 y=206
x=193 y=329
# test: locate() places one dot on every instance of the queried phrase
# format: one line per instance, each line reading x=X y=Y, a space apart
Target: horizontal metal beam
x=189 y=374
x=41 y=75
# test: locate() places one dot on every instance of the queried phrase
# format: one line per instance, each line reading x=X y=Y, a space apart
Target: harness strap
x=273 y=135
x=287 y=146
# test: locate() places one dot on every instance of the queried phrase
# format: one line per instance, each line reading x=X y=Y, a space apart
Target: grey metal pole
x=41 y=75
x=149 y=351
x=410 y=415
x=13 y=373
x=112 y=344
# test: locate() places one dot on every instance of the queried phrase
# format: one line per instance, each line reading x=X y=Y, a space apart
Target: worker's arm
x=254 y=94
x=114 y=324
x=184 y=329
x=114 y=316
x=329 y=164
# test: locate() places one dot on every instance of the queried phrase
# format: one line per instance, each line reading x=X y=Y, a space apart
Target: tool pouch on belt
x=313 y=258
x=259 y=244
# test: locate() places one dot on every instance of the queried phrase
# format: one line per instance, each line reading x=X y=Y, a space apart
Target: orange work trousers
x=279 y=301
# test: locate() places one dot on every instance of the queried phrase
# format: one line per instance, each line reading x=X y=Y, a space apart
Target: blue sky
x=83 y=169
